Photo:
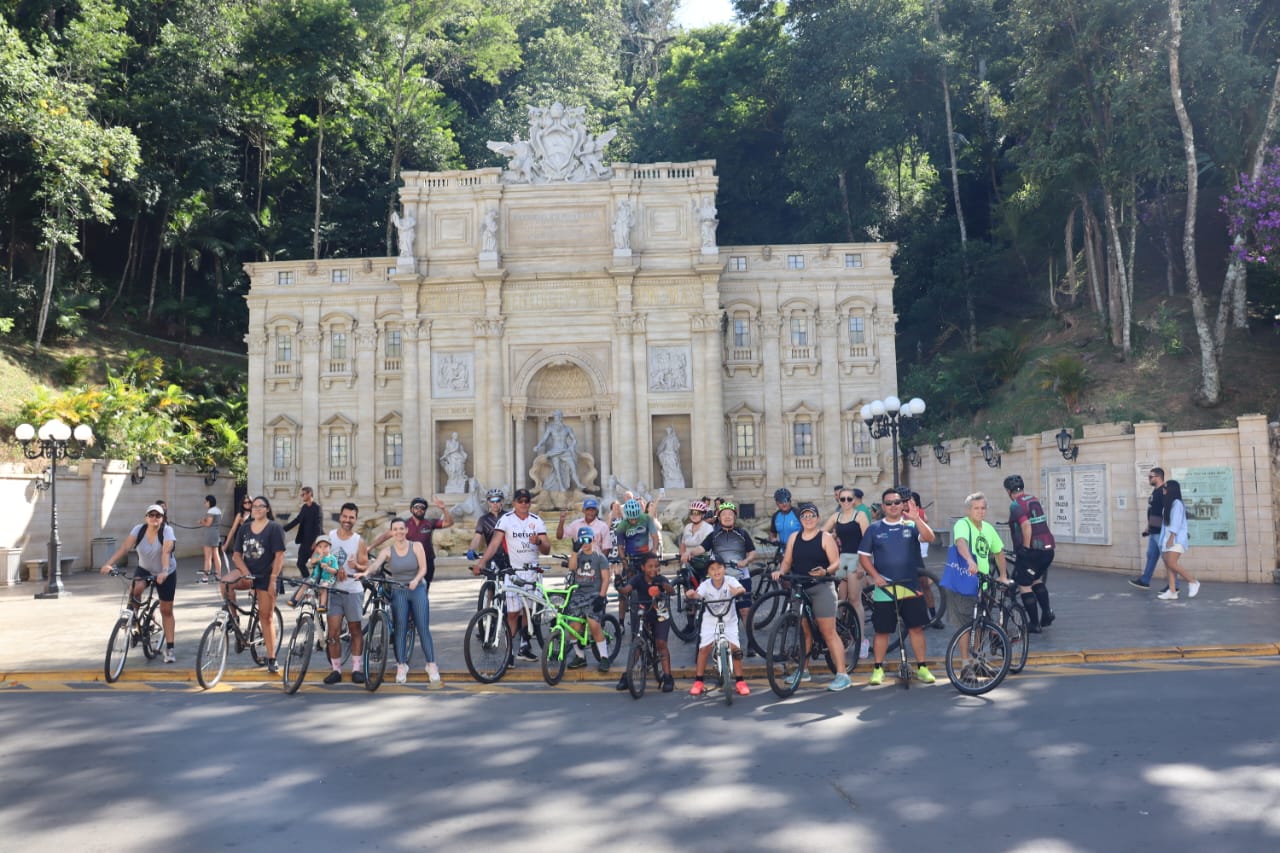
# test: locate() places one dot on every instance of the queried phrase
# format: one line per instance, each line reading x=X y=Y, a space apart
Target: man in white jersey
x=346 y=598
x=523 y=536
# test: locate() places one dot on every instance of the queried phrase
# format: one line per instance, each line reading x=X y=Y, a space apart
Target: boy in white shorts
x=718 y=587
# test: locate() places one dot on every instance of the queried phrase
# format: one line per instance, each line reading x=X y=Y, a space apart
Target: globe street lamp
x=54 y=441
x=891 y=417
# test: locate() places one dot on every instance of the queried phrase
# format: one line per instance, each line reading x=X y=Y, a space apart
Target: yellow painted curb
x=1244 y=650
x=1053 y=658
x=1122 y=655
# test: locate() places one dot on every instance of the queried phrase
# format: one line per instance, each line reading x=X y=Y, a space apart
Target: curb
x=533 y=672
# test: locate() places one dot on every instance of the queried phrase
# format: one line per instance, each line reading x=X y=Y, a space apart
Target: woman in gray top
x=406 y=561
x=154 y=541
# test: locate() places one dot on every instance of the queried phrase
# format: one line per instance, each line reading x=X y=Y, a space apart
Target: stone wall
x=1111 y=467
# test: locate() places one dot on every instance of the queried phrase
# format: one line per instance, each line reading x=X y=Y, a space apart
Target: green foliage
x=73 y=369
x=6 y=325
x=1066 y=376
x=1164 y=325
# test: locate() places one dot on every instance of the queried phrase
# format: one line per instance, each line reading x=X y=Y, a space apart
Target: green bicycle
x=565 y=629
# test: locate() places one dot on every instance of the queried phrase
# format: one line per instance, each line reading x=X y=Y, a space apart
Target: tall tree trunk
x=1093 y=259
x=128 y=265
x=842 y=183
x=1233 y=284
x=155 y=263
x=971 y=313
x=45 y=301
x=315 y=229
x=1130 y=219
x=1069 y=255
x=1210 y=379
x=1115 y=272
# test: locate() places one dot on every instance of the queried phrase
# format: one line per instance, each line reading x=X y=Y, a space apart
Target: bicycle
x=785 y=657
x=488 y=592
x=211 y=657
x=937 y=610
x=761 y=574
x=565 y=629
x=139 y=622
x=488 y=641
x=1013 y=620
x=303 y=640
x=644 y=650
x=379 y=629
x=987 y=660
x=684 y=616
x=721 y=649
x=898 y=640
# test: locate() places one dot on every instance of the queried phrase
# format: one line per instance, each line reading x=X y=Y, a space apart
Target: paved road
x=1175 y=756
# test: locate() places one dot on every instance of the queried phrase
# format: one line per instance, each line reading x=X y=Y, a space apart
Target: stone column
x=771 y=376
x=707 y=453
x=490 y=452
x=624 y=357
x=643 y=439
x=415 y=395
x=259 y=453
x=520 y=413
x=604 y=463
x=365 y=450
x=829 y=367
x=312 y=456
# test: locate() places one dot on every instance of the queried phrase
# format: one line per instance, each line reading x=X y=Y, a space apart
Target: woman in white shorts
x=1173 y=542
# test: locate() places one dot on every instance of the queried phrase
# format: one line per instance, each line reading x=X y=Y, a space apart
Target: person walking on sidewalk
x=1033 y=551
x=1155 y=520
x=310 y=524
x=1173 y=542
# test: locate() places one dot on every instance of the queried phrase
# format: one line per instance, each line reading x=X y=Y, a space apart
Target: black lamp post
x=891 y=417
x=911 y=457
x=990 y=453
x=1068 y=450
x=942 y=454
x=54 y=442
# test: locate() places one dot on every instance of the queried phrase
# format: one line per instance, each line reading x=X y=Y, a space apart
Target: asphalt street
x=1170 y=756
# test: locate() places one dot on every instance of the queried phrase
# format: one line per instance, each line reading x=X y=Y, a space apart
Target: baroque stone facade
x=601 y=295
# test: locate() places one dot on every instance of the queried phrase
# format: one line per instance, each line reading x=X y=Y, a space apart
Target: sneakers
x=805 y=675
x=697 y=688
x=433 y=675
x=793 y=680
x=622 y=684
x=603 y=666
x=1139 y=583
x=742 y=688
x=1168 y=595
x=877 y=676
x=840 y=682
x=169 y=656
x=402 y=673
x=577 y=662
x=273 y=668
x=668 y=684
x=1046 y=619
x=526 y=653
x=357 y=677
x=333 y=677
x=924 y=675
x=1193 y=589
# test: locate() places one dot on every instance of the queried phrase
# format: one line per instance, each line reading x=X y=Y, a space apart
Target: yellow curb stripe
x=1106 y=655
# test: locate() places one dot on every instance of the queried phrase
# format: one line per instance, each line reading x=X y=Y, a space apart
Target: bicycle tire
x=763 y=584
x=785 y=658
x=152 y=631
x=484 y=599
x=375 y=651
x=988 y=662
x=684 y=618
x=637 y=669
x=258 y=644
x=850 y=639
x=211 y=656
x=298 y=658
x=487 y=646
x=726 y=673
x=117 y=650
x=938 y=612
x=1014 y=622
x=764 y=611
x=612 y=638
x=554 y=658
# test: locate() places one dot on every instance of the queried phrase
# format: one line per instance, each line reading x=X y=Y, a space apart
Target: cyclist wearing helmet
x=591 y=573
x=784 y=523
x=637 y=537
x=729 y=543
x=419 y=529
x=485 y=525
x=693 y=534
x=1033 y=549
x=590 y=519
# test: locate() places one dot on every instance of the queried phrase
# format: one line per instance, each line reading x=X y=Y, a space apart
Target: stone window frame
x=342 y=471
x=745 y=471
x=855 y=355
x=799 y=356
x=285 y=331
x=803 y=468
x=390 y=326
x=283 y=427
x=861 y=452
x=285 y=278
x=749 y=358
x=341 y=275
x=737 y=263
x=334 y=327
x=795 y=262
x=853 y=260
x=390 y=477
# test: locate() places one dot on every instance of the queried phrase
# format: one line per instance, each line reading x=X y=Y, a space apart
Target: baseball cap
x=857 y=493
x=522 y=494
x=591 y=503
x=155 y=508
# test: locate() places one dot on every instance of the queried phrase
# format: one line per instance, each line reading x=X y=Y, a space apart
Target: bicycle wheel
x=1013 y=620
x=375 y=652
x=612 y=637
x=850 y=640
x=726 y=673
x=257 y=643
x=763 y=584
x=487 y=646
x=211 y=657
x=117 y=650
x=938 y=612
x=485 y=597
x=637 y=669
x=152 y=631
x=763 y=613
x=298 y=658
x=684 y=616
x=554 y=658
x=785 y=658
x=987 y=663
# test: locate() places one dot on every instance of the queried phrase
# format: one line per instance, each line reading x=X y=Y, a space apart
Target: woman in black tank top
x=813 y=552
x=847 y=524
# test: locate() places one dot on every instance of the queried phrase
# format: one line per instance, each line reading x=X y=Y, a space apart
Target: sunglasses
x=154 y=515
x=522 y=500
x=260 y=506
x=846 y=500
x=695 y=512
x=893 y=503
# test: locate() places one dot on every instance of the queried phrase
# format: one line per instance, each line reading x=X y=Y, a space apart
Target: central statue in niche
x=559 y=148
x=560 y=470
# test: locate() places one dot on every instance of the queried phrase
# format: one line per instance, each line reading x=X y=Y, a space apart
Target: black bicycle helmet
x=1013 y=483
x=782 y=496
x=417 y=501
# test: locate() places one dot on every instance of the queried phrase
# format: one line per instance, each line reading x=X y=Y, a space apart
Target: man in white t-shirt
x=523 y=536
x=346 y=598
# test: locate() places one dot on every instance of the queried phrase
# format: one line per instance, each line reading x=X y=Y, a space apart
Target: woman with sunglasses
x=694 y=533
x=154 y=541
x=242 y=516
x=848 y=524
x=258 y=558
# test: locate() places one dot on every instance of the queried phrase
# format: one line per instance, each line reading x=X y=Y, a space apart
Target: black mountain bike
x=644 y=655
x=978 y=656
x=785 y=658
x=211 y=658
x=139 y=622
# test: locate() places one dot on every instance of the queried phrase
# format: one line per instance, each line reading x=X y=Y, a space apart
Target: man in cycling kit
x=890 y=555
x=485 y=524
x=637 y=537
x=1033 y=544
x=523 y=536
x=729 y=543
x=784 y=523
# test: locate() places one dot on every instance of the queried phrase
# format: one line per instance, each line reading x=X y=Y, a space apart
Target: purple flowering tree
x=1254 y=210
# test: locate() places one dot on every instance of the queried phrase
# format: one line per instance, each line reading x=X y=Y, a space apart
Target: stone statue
x=560 y=446
x=489 y=231
x=454 y=462
x=559 y=148
x=520 y=168
x=404 y=231
x=623 y=219
x=669 y=458
x=706 y=211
